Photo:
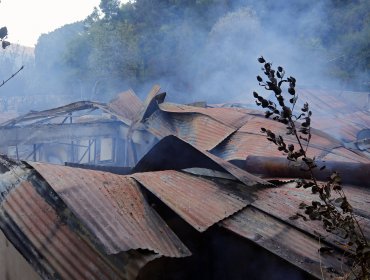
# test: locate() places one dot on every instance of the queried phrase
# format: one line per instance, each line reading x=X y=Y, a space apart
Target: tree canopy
x=204 y=48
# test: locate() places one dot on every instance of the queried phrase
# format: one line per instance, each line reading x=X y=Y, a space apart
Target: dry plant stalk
x=332 y=207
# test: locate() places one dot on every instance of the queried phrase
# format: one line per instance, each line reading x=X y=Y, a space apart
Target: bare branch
x=12 y=76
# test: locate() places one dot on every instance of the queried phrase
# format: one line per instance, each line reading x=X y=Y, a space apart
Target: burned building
x=156 y=190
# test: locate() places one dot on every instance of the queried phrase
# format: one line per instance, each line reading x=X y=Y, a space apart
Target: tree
x=110 y=8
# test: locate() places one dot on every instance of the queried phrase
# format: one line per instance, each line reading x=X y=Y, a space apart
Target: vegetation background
x=196 y=49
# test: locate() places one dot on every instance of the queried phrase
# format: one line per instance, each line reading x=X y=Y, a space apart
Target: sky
x=26 y=20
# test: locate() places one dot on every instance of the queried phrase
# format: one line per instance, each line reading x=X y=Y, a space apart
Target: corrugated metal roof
x=150 y=105
x=283 y=202
x=228 y=116
x=337 y=112
x=287 y=242
x=324 y=102
x=267 y=222
x=199 y=201
x=249 y=140
x=61 y=113
x=126 y=104
x=113 y=216
x=51 y=239
x=113 y=208
x=241 y=145
x=199 y=130
x=318 y=139
x=173 y=153
x=342 y=114
x=203 y=128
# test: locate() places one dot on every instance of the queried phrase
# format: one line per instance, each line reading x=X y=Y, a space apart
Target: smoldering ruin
x=135 y=189
x=101 y=183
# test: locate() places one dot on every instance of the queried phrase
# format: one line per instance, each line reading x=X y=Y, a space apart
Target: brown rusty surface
x=343 y=154
x=343 y=127
x=126 y=104
x=199 y=201
x=249 y=140
x=113 y=208
x=241 y=145
x=341 y=114
x=199 y=130
x=337 y=112
x=148 y=107
x=324 y=102
x=287 y=242
x=228 y=116
x=283 y=202
x=172 y=152
x=245 y=177
x=43 y=233
x=62 y=112
x=267 y=221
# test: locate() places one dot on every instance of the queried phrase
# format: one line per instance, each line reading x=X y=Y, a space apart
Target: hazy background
x=196 y=50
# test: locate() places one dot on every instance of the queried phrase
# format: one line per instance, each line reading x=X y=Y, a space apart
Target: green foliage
x=332 y=207
x=110 y=8
x=186 y=42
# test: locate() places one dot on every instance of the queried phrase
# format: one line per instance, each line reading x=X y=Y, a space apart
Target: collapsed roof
x=87 y=224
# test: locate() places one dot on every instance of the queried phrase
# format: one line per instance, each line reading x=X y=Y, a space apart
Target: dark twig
x=12 y=76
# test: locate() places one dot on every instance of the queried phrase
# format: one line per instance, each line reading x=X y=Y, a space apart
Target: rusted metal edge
x=287 y=242
x=51 y=239
x=172 y=153
x=61 y=111
x=126 y=104
x=200 y=201
x=226 y=116
x=113 y=208
x=283 y=203
x=148 y=106
x=199 y=130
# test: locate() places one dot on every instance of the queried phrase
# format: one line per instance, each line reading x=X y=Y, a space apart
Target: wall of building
x=12 y=264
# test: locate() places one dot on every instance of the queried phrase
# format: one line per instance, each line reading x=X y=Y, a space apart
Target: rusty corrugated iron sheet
x=199 y=130
x=342 y=114
x=126 y=104
x=324 y=102
x=173 y=153
x=200 y=201
x=267 y=221
x=150 y=104
x=249 y=140
x=50 y=237
x=228 y=116
x=283 y=203
x=113 y=208
x=61 y=113
x=337 y=112
x=289 y=197
x=286 y=242
x=241 y=145
x=343 y=154
x=203 y=128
